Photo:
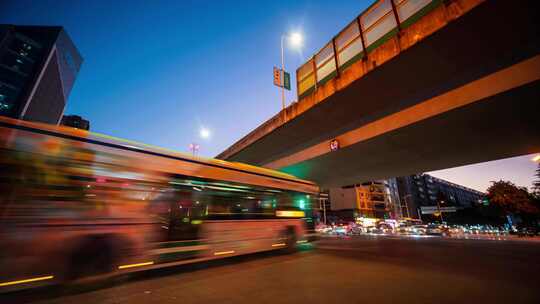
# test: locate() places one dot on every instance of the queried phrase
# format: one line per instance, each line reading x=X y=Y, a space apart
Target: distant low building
x=38 y=67
x=75 y=121
x=373 y=199
x=423 y=196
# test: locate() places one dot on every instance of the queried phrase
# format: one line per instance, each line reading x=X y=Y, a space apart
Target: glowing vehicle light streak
x=223 y=252
x=290 y=213
x=135 y=265
x=26 y=281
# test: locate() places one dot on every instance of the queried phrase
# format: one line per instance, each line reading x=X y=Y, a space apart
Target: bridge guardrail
x=377 y=24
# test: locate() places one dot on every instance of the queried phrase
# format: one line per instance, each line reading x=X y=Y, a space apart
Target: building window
x=7 y=99
x=22 y=45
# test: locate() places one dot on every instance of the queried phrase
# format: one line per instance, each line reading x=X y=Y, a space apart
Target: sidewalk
x=495 y=237
x=484 y=237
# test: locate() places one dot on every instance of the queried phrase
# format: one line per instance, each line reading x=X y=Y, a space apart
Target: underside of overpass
x=498 y=127
x=468 y=93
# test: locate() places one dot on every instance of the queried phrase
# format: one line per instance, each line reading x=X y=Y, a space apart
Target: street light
x=295 y=40
x=193 y=147
x=204 y=133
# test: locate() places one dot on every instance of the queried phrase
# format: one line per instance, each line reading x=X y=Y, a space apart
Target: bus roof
x=64 y=131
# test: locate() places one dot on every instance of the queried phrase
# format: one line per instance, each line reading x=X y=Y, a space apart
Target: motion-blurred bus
x=75 y=205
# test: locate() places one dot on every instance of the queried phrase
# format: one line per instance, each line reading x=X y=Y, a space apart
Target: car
x=419 y=229
x=434 y=230
x=527 y=232
x=340 y=230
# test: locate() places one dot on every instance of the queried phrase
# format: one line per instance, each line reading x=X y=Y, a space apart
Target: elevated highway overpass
x=419 y=86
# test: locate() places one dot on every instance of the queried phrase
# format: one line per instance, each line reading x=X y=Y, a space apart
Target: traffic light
x=277 y=77
x=282 y=79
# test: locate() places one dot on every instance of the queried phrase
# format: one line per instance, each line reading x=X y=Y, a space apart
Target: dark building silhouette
x=75 y=121
x=423 y=190
x=38 y=67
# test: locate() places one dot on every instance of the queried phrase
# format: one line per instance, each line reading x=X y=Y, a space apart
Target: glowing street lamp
x=204 y=133
x=296 y=40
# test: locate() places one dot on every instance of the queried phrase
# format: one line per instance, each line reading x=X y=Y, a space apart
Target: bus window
x=179 y=215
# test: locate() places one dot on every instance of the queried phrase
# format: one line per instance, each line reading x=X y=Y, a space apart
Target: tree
x=536 y=183
x=511 y=198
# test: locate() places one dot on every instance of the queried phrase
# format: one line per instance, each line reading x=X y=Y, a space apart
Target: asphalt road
x=338 y=270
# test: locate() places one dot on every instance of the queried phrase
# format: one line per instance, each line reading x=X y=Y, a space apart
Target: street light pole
x=406 y=205
x=282 y=75
x=324 y=210
x=194 y=148
x=440 y=212
x=295 y=40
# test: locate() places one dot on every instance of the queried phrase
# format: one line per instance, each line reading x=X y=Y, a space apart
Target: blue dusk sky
x=158 y=71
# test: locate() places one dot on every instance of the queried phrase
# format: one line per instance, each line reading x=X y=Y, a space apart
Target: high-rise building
x=75 y=121
x=423 y=194
x=38 y=67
